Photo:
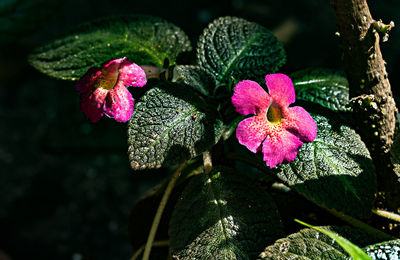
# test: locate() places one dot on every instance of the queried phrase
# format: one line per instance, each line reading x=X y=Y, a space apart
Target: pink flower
x=104 y=89
x=280 y=129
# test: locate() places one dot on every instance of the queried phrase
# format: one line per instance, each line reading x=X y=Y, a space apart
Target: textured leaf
x=313 y=245
x=232 y=46
x=195 y=77
x=143 y=39
x=223 y=216
x=352 y=250
x=335 y=171
x=329 y=88
x=389 y=250
x=170 y=125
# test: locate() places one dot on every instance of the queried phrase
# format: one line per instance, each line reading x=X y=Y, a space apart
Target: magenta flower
x=280 y=129
x=104 y=89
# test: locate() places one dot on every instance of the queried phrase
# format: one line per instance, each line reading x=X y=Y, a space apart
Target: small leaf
x=354 y=251
x=384 y=251
x=195 y=77
x=232 y=46
x=143 y=39
x=313 y=245
x=170 y=125
x=223 y=216
x=335 y=171
x=329 y=88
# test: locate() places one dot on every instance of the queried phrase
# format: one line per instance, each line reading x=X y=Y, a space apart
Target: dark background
x=66 y=188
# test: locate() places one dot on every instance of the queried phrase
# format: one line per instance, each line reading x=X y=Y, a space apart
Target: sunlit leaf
x=170 y=125
x=354 y=251
x=335 y=171
x=389 y=250
x=234 y=47
x=143 y=39
x=312 y=244
x=223 y=215
x=327 y=87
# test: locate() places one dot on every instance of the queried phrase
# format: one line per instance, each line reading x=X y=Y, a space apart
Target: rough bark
x=371 y=96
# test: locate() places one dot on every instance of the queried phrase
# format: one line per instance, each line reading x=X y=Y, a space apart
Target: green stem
x=386 y=214
x=160 y=211
x=155 y=244
x=361 y=225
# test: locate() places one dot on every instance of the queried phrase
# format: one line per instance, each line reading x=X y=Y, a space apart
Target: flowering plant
x=228 y=199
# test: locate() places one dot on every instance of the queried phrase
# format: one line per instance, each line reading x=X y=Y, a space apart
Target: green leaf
x=234 y=47
x=326 y=87
x=143 y=39
x=384 y=251
x=195 y=77
x=335 y=171
x=223 y=216
x=354 y=251
x=313 y=244
x=170 y=125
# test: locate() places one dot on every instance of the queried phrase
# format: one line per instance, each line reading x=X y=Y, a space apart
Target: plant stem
x=152 y=72
x=361 y=225
x=386 y=214
x=155 y=244
x=370 y=92
x=160 y=211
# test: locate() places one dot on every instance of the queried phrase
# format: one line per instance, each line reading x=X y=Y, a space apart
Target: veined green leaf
x=234 y=47
x=170 y=125
x=354 y=251
x=195 y=77
x=389 y=250
x=335 y=171
x=326 y=87
x=223 y=215
x=316 y=244
x=143 y=39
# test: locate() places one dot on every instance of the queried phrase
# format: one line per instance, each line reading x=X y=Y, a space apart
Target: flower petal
x=299 y=122
x=89 y=80
x=92 y=104
x=281 y=89
x=249 y=98
x=119 y=104
x=280 y=148
x=251 y=132
x=132 y=75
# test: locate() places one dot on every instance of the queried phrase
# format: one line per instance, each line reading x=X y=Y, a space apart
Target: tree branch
x=371 y=96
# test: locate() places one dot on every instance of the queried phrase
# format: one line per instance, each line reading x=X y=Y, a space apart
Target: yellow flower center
x=274 y=114
x=109 y=76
